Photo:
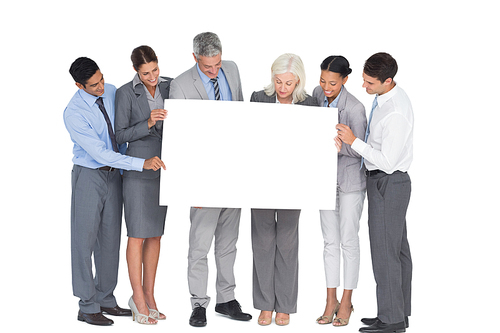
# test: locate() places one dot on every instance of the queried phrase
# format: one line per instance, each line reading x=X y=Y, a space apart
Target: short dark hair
x=336 y=64
x=82 y=69
x=142 y=55
x=381 y=66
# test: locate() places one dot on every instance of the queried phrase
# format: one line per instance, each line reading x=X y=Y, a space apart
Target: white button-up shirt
x=390 y=143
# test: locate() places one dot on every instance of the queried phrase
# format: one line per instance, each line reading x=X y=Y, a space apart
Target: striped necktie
x=367 y=133
x=216 y=89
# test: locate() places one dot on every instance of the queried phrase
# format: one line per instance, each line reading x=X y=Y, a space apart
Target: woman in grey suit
x=139 y=122
x=340 y=226
x=275 y=238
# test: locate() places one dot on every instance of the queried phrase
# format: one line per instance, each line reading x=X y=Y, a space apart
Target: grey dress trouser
x=96 y=217
x=206 y=224
x=388 y=199
x=275 y=244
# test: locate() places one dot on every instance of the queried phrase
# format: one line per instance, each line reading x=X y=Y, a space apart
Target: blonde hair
x=289 y=63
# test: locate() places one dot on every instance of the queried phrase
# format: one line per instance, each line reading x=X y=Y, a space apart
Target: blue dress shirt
x=89 y=132
x=225 y=92
x=334 y=103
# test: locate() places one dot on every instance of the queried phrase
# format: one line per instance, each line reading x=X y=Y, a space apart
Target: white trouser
x=340 y=230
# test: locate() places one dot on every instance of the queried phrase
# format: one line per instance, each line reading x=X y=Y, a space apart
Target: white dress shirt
x=390 y=144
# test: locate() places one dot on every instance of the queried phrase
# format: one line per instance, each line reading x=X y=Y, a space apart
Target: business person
x=211 y=78
x=139 y=122
x=387 y=152
x=96 y=199
x=340 y=226
x=275 y=238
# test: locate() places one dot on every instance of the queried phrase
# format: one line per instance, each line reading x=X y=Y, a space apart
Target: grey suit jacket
x=131 y=125
x=260 y=96
x=188 y=85
x=351 y=113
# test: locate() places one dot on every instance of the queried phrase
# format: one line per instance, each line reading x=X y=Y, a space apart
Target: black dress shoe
x=117 y=311
x=232 y=309
x=380 y=327
x=198 y=317
x=94 y=318
x=371 y=321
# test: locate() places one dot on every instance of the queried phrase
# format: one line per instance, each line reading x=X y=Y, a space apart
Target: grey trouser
x=207 y=223
x=96 y=217
x=275 y=244
x=388 y=199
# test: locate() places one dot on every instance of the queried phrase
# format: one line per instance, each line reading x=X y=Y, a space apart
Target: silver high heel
x=155 y=314
x=139 y=317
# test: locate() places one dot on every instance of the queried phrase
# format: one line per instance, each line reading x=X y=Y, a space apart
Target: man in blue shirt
x=96 y=200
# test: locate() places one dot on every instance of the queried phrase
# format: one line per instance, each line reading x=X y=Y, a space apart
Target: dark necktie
x=108 y=122
x=216 y=89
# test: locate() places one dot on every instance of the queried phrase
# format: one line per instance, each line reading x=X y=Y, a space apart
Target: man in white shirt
x=387 y=152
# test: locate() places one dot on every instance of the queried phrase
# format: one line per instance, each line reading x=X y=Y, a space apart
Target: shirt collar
x=90 y=99
x=381 y=99
x=335 y=102
x=203 y=76
x=137 y=80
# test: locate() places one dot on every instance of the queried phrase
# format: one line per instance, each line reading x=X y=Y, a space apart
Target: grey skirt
x=144 y=216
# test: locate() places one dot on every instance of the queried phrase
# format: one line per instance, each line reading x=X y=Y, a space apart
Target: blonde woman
x=275 y=239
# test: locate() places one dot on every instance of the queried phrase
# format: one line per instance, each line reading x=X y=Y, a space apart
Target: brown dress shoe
x=117 y=311
x=94 y=318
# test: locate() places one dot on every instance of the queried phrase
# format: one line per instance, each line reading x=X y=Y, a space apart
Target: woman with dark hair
x=139 y=122
x=340 y=226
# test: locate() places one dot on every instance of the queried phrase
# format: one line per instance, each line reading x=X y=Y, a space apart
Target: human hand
x=338 y=143
x=154 y=163
x=345 y=134
x=157 y=115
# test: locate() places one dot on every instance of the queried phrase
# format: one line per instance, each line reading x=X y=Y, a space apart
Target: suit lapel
x=341 y=105
x=142 y=100
x=198 y=84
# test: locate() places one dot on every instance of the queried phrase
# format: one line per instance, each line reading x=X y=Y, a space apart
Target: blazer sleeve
x=125 y=131
x=176 y=91
x=253 y=98
x=356 y=120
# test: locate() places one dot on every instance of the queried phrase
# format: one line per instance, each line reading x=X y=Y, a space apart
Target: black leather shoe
x=232 y=309
x=117 y=311
x=380 y=327
x=198 y=317
x=94 y=319
x=371 y=321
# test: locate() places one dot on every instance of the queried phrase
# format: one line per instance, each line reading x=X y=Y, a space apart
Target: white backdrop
x=447 y=53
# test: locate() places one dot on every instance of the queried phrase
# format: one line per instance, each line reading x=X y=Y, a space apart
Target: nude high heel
x=328 y=319
x=342 y=321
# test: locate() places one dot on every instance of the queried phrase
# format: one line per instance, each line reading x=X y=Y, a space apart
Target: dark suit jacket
x=260 y=96
x=131 y=125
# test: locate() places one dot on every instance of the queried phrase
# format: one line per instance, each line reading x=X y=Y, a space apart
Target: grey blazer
x=131 y=125
x=188 y=85
x=260 y=96
x=351 y=113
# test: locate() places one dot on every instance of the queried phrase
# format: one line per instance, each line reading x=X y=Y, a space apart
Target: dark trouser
x=96 y=217
x=388 y=199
